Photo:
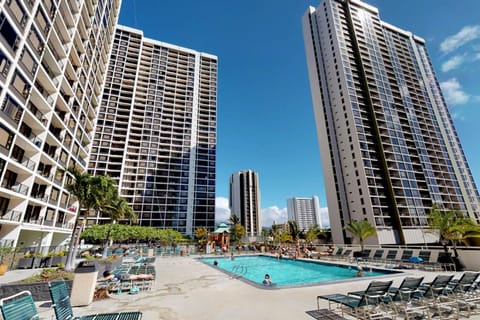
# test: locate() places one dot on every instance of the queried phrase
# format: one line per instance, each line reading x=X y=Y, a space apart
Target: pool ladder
x=240 y=269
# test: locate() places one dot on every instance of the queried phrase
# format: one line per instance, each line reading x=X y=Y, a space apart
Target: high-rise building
x=156 y=131
x=53 y=57
x=244 y=201
x=388 y=145
x=304 y=211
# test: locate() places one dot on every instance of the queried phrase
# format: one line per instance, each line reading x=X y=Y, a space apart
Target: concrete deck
x=187 y=289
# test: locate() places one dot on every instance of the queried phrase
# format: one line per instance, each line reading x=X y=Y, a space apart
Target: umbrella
x=415 y=259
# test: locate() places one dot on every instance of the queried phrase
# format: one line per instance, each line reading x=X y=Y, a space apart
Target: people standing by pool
x=267 y=281
x=232 y=256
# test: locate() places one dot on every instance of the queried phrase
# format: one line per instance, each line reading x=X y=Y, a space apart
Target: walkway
x=186 y=289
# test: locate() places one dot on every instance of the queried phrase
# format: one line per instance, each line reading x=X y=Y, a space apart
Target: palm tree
x=362 y=230
x=84 y=190
x=116 y=208
x=313 y=233
x=452 y=226
x=234 y=219
x=293 y=230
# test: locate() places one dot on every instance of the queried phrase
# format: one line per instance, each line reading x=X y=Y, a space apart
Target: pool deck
x=187 y=289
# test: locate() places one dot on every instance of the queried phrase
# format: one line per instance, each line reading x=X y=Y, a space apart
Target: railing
x=240 y=269
x=36 y=140
x=16 y=187
x=48 y=223
x=12 y=215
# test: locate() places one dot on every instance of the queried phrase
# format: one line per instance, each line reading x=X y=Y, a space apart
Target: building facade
x=156 y=131
x=244 y=201
x=388 y=145
x=53 y=59
x=305 y=212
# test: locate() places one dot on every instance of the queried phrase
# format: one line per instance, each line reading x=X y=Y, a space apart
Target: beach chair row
x=21 y=306
x=445 y=297
x=396 y=258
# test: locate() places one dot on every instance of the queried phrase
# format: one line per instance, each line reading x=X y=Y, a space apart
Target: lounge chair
x=391 y=256
x=437 y=295
x=20 y=306
x=63 y=308
x=405 y=299
x=377 y=256
x=361 y=306
x=463 y=290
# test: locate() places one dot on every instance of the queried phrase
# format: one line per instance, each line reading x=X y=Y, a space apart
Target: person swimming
x=267 y=281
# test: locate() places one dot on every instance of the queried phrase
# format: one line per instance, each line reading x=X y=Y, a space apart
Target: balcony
x=11 y=215
x=37 y=113
x=16 y=187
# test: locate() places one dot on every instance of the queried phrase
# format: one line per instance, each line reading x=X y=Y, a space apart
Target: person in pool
x=360 y=272
x=267 y=281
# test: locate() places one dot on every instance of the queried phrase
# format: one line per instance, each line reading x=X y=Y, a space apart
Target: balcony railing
x=12 y=215
x=26 y=162
x=16 y=187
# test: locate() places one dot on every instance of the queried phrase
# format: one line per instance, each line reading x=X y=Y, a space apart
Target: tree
x=84 y=189
x=234 y=219
x=201 y=235
x=313 y=233
x=293 y=230
x=362 y=230
x=452 y=226
x=115 y=207
x=238 y=231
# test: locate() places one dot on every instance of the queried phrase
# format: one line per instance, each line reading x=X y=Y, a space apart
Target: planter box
x=55 y=260
x=29 y=263
x=39 y=290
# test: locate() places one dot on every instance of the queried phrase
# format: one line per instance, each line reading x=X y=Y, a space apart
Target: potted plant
x=58 y=258
x=26 y=262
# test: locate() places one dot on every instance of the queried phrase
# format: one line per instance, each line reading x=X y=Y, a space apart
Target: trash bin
x=84 y=283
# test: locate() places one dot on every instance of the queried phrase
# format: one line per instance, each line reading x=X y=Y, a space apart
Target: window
x=6 y=137
x=4 y=66
x=8 y=33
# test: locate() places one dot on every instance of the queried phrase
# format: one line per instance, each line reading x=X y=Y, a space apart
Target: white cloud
x=453 y=63
x=467 y=34
x=452 y=90
x=273 y=215
x=477 y=56
x=222 y=211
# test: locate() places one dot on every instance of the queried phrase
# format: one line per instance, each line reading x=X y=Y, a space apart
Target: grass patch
x=50 y=274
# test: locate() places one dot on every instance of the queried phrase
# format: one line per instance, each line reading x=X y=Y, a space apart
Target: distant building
x=388 y=144
x=156 y=131
x=245 y=201
x=304 y=211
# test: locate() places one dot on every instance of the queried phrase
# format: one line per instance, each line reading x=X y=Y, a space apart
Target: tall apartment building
x=304 y=211
x=244 y=201
x=156 y=131
x=53 y=57
x=388 y=144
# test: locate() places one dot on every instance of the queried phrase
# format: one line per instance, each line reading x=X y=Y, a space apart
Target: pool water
x=288 y=272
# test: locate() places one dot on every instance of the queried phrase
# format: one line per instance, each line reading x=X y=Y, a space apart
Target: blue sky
x=265 y=117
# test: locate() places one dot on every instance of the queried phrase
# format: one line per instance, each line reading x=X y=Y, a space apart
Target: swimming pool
x=289 y=272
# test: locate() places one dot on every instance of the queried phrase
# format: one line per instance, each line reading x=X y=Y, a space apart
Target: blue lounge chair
x=63 y=308
x=20 y=306
x=375 y=294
